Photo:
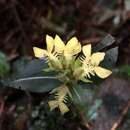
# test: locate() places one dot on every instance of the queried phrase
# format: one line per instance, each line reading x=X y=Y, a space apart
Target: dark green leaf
x=107 y=41
x=110 y=58
x=84 y=100
x=82 y=95
x=29 y=76
x=87 y=85
x=36 y=84
x=24 y=68
x=92 y=112
x=77 y=95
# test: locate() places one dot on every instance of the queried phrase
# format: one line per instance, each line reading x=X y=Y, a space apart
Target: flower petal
x=53 y=104
x=59 y=44
x=50 y=43
x=63 y=108
x=97 y=57
x=72 y=47
x=87 y=50
x=102 y=72
x=38 y=52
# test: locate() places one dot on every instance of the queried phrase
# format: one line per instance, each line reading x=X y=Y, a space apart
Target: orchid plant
x=72 y=63
x=67 y=71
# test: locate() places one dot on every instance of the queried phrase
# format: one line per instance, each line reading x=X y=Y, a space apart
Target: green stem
x=79 y=104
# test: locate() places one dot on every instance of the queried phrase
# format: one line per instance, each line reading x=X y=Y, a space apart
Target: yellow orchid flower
x=72 y=47
x=58 y=104
x=91 y=63
x=49 y=53
x=60 y=99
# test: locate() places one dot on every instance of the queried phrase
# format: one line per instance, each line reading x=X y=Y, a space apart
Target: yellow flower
x=91 y=63
x=40 y=53
x=60 y=99
x=56 y=45
x=72 y=47
x=49 y=53
x=61 y=105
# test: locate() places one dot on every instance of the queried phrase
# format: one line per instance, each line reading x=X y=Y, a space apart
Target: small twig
x=2 y=103
x=45 y=23
x=118 y=122
x=84 y=121
x=10 y=34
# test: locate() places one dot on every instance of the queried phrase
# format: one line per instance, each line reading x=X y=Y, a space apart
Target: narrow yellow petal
x=50 y=43
x=87 y=50
x=63 y=108
x=53 y=104
x=102 y=72
x=38 y=52
x=72 y=47
x=59 y=44
x=96 y=58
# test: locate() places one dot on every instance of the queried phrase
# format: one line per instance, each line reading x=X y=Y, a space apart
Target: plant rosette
x=72 y=63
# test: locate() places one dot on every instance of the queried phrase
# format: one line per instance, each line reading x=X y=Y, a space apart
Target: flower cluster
x=72 y=62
